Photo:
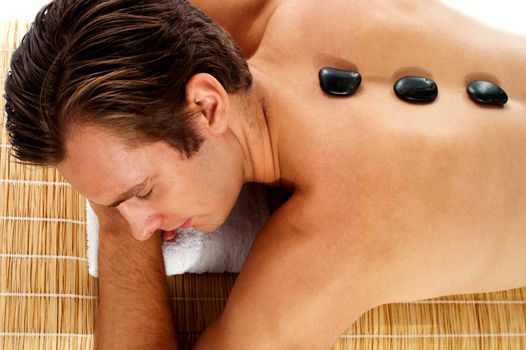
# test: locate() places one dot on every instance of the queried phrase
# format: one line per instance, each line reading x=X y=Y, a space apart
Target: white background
x=505 y=14
x=20 y=9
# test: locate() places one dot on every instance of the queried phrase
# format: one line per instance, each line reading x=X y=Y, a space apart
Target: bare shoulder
x=292 y=278
x=245 y=20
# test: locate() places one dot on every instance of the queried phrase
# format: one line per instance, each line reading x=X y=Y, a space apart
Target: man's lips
x=187 y=223
x=169 y=235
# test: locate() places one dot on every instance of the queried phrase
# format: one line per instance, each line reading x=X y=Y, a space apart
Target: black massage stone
x=416 y=89
x=339 y=82
x=485 y=92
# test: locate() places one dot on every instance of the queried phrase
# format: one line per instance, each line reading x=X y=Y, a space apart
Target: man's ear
x=206 y=95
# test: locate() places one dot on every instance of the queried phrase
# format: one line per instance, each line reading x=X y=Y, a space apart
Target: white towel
x=223 y=250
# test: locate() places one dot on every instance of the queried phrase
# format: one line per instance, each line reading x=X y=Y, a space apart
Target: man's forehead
x=82 y=135
x=98 y=162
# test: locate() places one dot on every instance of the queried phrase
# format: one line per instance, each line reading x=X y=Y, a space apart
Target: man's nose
x=143 y=222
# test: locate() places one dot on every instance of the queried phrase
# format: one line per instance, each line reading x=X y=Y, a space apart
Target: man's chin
x=207 y=229
x=210 y=228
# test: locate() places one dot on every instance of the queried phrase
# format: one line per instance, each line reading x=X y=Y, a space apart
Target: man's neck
x=259 y=141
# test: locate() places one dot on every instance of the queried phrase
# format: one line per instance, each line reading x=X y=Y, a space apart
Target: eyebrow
x=132 y=192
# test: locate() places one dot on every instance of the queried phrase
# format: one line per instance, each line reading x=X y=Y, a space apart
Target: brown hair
x=120 y=64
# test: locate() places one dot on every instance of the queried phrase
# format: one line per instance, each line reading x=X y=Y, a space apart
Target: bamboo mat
x=48 y=300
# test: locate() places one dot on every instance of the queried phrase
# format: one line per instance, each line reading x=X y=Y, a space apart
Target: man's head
x=115 y=92
x=120 y=64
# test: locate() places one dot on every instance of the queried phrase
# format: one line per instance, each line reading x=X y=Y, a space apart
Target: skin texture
x=126 y=281
x=392 y=201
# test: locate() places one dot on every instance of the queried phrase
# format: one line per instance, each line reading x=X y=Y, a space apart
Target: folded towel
x=223 y=250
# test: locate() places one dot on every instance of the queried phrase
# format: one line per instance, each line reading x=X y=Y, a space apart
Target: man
x=147 y=108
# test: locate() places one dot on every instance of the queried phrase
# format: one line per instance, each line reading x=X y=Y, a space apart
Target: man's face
x=203 y=188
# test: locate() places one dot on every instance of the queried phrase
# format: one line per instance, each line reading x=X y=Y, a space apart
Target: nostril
x=143 y=236
x=143 y=230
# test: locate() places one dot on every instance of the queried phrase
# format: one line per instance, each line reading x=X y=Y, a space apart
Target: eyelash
x=145 y=197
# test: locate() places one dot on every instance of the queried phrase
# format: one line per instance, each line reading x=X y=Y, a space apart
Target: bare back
x=393 y=201
x=444 y=178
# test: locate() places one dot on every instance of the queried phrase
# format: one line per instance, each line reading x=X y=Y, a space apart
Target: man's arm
x=294 y=291
x=134 y=303
x=245 y=20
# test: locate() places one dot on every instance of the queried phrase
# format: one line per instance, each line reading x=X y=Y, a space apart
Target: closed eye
x=145 y=197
